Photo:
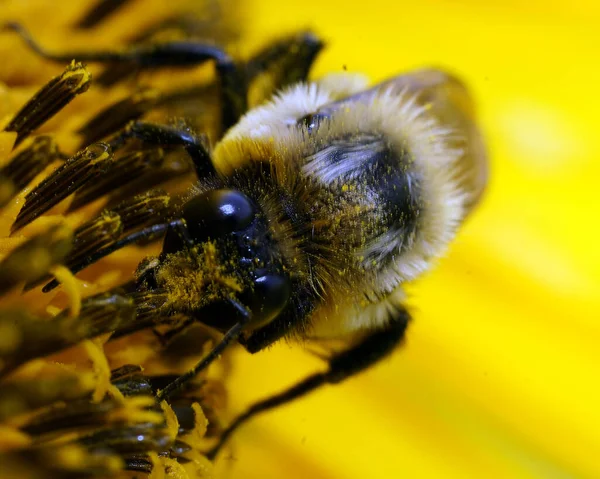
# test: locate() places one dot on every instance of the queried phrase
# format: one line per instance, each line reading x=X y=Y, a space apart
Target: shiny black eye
x=216 y=213
x=266 y=299
x=270 y=295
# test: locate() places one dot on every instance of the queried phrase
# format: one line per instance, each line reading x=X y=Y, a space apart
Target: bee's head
x=226 y=246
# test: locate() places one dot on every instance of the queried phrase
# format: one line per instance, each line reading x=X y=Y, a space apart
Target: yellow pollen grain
x=95 y=351
x=200 y=420
x=171 y=419
x=99 y=365
x=78 y=71
x=158 y=469
x=134 y=411
x=174 y=469
x=70 y=287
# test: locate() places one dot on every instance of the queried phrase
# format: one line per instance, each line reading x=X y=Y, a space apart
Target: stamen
x=48 y=101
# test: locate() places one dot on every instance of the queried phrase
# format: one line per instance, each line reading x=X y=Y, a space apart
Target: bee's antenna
x=196 y=146
x=231 y=335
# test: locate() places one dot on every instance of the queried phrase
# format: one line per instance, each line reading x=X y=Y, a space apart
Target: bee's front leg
x=165 y=135
x=160 y=55
x=367 y=352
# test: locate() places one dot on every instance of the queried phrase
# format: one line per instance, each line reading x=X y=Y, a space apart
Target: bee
x=308 y=217
x=337 y=199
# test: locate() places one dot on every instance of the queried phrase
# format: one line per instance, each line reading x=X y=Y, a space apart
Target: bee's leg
x=343 y=365
x=169 y=54
x=164 y=135
x=282 y=63
x=244 y=317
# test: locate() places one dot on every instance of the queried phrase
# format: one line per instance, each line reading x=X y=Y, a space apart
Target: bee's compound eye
x=266 y=299
x=217 y=212
x=270 y=295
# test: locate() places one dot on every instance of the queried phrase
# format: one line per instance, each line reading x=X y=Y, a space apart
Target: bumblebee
x=308 y=216
x=338 y=194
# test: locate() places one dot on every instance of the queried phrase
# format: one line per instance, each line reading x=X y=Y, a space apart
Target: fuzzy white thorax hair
x=272 y=121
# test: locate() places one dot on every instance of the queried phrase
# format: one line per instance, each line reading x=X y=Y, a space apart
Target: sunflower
x=497 y=377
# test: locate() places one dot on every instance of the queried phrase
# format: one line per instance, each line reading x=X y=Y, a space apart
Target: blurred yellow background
x=499 y=376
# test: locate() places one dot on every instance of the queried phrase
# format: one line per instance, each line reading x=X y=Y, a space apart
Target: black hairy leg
x=280 y=64
x=159 y=55
x=163 y=135
x=168 y=54
x=343 y=365
x=284 y=62
x=244 y=317
x=166 y=338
